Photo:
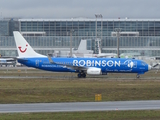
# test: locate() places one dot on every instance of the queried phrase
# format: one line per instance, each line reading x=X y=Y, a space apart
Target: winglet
x=74 y=56
x=50 y=59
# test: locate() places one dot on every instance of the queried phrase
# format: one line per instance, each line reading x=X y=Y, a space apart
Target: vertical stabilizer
x=82 y=45
x=24 y=49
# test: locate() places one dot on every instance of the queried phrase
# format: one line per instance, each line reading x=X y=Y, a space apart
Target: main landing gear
x=81 y=75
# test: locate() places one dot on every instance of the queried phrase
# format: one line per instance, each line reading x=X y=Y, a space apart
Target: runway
x=80 y=106
x=30 y=73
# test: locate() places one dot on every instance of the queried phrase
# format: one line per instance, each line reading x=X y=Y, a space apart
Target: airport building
x=140 y=36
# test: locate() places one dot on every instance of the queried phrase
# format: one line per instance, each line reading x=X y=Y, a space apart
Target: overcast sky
x=79 y=8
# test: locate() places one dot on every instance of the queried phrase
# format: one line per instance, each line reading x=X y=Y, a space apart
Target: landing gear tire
x=84 y=75
x=81 y=75
x=138 y=76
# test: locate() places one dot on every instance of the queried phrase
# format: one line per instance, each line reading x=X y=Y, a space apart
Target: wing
x=69 y=66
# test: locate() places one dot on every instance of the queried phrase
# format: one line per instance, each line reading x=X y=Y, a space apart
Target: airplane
x=7 y=61
x=82 y=48
x=82 y=66
x=83 y=52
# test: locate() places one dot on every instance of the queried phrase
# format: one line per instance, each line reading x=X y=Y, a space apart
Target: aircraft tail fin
x=23 y=47
x=82 y=45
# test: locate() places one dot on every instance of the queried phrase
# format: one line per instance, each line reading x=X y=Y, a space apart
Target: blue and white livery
x=82 y=66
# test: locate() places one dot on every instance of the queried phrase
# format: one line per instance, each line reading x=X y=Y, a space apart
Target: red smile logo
x=22 y=51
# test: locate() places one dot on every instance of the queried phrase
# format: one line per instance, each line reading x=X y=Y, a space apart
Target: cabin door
x=37 y=63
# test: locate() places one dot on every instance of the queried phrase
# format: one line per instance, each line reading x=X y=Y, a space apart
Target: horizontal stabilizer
x=156 y=65
x=24 y=60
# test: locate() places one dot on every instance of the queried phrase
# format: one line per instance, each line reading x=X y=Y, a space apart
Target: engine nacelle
x=94 y=71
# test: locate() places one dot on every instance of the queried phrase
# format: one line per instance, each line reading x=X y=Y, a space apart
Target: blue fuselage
x=105 y=64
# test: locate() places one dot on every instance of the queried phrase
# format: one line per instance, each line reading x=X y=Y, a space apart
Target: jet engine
x=94 y=71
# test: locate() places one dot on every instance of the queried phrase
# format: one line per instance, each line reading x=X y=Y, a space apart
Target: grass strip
x=110 y=115
x=78 y=90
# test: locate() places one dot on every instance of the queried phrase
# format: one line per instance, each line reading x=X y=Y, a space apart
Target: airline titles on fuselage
x=94 y=63
x=104 y=63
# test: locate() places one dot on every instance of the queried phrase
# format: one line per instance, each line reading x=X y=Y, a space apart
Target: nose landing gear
x=138 y=76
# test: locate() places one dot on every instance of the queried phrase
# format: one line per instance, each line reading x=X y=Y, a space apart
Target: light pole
x=118 y=30
x=71 y=32
x=99 y=40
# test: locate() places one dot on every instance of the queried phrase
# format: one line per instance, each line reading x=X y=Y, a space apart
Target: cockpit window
x=143 y=63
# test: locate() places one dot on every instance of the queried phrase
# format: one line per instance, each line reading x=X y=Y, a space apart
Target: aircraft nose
x=149 y=67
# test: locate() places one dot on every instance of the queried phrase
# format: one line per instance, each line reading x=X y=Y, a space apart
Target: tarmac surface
x=80 y=106
x=75 y=106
